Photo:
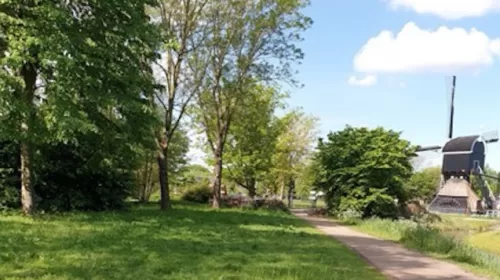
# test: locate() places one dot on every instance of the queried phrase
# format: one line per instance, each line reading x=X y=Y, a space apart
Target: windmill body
x=462 y=157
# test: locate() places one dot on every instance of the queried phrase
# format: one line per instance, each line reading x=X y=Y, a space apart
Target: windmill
x=463 y=156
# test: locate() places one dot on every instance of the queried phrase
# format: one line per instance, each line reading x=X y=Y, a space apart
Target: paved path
x=390 y=258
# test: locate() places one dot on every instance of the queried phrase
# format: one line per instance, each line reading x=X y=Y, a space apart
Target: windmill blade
x=490 y=136
x=428 y=148
x=451 y=92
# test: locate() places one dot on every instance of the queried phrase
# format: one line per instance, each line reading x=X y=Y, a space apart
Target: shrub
x=199 y=194
x=236 y=202
x=364 y=169
x=67 y=177
x=270 y=204
x=254 y=204
x=350 y=217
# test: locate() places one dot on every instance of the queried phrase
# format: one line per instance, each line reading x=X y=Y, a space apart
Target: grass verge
x=433 y=241
x=189 y=242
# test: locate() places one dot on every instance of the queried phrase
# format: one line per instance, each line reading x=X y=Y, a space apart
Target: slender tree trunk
x=26 y=182
x=217 y=182
x=28 y=72
x=149 y=183
x=251 y=186
x=291 y=188
x=282 y=189
x=165 y=203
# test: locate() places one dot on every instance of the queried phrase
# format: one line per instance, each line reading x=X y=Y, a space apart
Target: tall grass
x=429 y=239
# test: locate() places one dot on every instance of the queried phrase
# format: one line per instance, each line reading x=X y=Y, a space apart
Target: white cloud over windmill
x=416 y=50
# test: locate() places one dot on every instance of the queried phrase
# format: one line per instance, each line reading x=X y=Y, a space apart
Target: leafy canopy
x=364 y=170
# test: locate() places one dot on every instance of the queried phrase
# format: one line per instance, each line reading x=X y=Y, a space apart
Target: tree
x=63 y=74
x=294 y=148
x=182 y=24
x=252 y=138
x=249 y=42
x=364 y=170
x=424 y=184
x=147 y=177
x=305 y=179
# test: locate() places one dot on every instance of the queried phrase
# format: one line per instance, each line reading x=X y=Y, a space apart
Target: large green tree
x=252 y=137
x=180 y=73
x=248 y=42
x=72 y=67
x=295 y=144
x=364 y=170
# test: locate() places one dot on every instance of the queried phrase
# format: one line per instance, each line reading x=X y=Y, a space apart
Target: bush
x=254 y=204
x=350 y=217
x=199 y=194
x=270 y=204
x=67 y=177
x=364 y=169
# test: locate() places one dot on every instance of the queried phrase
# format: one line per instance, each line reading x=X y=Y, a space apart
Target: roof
x=460 y=144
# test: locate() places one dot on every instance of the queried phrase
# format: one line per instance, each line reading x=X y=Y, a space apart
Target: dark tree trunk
x=251 y=188
x=217 y=182
x=291 y=188
x=28 y=72
x=165 y=203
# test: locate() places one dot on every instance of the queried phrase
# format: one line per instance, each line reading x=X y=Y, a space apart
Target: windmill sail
x=452 y=106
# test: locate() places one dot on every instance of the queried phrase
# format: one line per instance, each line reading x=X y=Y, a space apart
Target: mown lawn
x=190 y=242
x=487 y=241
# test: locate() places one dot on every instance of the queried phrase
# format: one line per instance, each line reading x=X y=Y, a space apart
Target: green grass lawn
x=190 y=242
x=488 y=241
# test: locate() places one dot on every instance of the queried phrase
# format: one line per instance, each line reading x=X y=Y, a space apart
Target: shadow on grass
x=189 y=242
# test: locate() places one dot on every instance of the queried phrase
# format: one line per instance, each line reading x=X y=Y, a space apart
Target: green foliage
x=423 y=184
x=255 y=47
x=364 y=170
x=252 y=137
x=293 y=149
x=257 y=245
x=84 y=70
x=147 y=175
x=271 y=204
x=64 y=75
x=72 y=177
x=305 y=180
x=9 y=175
x=199 y=194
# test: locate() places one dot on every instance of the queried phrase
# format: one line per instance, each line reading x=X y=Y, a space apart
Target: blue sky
x=410 y=70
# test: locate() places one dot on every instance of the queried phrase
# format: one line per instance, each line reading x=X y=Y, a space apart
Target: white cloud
x=419 y=50
x=448 y=9
x=367 y=81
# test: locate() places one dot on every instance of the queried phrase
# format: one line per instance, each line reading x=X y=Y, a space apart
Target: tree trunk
x=216 y=183
x=291 y=188
x=28 y=72
x=282 y=190
x=26 y=182
x=251 y=187
x=165 y=203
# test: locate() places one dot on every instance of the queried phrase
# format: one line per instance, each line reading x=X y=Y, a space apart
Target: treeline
x=97 y=98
